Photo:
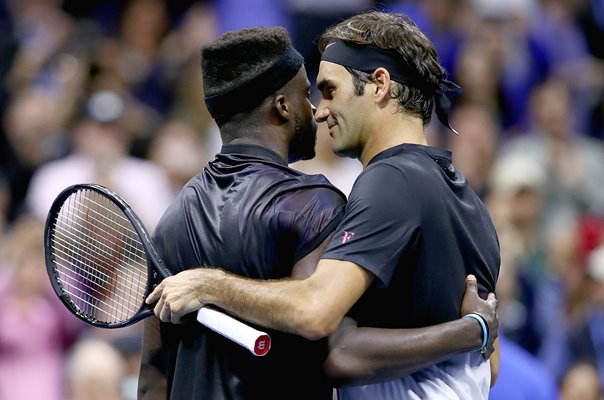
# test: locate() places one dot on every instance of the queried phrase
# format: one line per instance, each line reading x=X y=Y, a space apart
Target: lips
x=331 y=126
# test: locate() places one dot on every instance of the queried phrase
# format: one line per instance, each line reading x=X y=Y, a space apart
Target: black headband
x=253 y=91
x=367 y=58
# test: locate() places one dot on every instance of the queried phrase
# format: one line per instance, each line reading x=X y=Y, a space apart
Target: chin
x=345 y=152
x=309 y=155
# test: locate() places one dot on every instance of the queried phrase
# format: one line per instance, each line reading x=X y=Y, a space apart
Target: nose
x=321 y=113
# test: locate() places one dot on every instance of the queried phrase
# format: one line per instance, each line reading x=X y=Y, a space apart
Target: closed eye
x=327 y=89
x=328 y=92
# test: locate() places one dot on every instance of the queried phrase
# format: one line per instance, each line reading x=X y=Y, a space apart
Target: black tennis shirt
x=415 y=223
x=248 y=213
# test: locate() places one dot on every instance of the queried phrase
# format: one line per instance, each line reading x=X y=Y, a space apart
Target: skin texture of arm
x=296 y=305
x=312 y=307
x=369 y=355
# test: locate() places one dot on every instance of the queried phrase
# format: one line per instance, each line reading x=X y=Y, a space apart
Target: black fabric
x=249 y=213
x=414 y=222
x=368 y=58
x=252 y=92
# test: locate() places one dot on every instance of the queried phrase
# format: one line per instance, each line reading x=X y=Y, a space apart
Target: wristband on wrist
x=483 y=325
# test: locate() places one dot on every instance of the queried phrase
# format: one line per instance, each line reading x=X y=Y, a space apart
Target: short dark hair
x=239 y=58
x=394 y=31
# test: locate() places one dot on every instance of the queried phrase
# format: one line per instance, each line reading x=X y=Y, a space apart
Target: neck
x=392 y=129
x=264 y=137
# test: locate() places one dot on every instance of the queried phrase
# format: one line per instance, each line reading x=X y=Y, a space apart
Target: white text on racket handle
x=257 y=342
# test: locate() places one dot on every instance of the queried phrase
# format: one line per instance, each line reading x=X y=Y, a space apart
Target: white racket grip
x=257 y=342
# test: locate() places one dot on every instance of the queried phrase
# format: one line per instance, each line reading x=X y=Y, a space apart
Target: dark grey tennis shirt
x=415 y=223
x=250 y=214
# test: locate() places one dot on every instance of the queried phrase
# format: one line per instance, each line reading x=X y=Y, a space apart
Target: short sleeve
x=306 y=217
x=381 y=222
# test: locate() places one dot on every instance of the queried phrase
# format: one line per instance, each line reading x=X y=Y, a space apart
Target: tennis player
x=253 y=216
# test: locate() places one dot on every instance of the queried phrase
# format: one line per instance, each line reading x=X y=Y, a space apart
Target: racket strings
x=84 y=275
x=100 y=259
x=131 y=252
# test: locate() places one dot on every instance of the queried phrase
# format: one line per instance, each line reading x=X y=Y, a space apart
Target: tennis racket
x=102 y=265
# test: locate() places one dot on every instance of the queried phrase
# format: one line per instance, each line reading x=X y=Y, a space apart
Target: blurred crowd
x=109 y=91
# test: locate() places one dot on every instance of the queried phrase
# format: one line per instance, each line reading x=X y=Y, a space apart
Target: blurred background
x=110 y=91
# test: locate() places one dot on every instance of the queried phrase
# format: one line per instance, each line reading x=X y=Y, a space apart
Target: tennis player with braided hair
x=250 y=214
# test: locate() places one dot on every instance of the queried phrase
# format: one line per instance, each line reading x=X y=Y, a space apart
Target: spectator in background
x=596 y=118
x=581 y=383
x=440 y=20
x=180 y=62
x=41 y=29
x=586 y=334
x=309 y=18
x=556 y=29
x=522 y=376
x=515 y=203
x=233 y=16
x=474 y=149
x=180 y=151
x=5 y=198
x=572 y=161
x=504 y=28
x=129 y=60
x=35 y=328
x=100 y=155
x=95 y=371
x=50 y=59
x=477 y=71
x=35 y=136
x=590 y=18
x=130 y=348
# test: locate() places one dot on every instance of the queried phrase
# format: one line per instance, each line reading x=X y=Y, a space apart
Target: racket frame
x=257 y=342
x=154 y=263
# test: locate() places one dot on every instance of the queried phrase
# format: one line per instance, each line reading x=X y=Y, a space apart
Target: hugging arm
x=360 y=355
x=313 y=306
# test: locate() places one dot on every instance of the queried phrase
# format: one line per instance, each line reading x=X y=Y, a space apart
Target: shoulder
x=381 y=180
x=402 y=166
x=309 y=191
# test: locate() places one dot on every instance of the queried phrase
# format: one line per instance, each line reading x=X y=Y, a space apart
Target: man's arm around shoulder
x=312 y=307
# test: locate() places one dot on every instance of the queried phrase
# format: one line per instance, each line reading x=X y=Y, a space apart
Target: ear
x=282 y=106
x=381 y=79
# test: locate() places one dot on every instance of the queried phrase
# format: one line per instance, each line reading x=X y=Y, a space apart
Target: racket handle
x=257 y=342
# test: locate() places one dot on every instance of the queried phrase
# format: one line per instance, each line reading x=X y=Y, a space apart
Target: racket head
x=99 y=257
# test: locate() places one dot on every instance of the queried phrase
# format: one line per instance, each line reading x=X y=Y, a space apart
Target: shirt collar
x=436 y=153
x=254 y=151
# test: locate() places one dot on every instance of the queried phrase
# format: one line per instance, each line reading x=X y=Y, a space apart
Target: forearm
x=284 y=305
x=312 y=307
x=369 y=355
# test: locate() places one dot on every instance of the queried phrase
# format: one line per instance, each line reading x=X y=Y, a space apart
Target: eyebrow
x=325 y=82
